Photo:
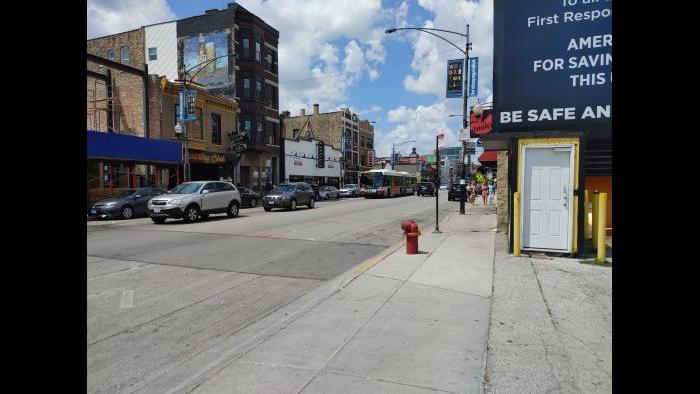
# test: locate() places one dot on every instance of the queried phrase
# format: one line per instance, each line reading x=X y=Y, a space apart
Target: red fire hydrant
x=410 y=230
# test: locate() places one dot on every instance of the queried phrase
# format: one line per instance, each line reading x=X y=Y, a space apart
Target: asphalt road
x=158 y=295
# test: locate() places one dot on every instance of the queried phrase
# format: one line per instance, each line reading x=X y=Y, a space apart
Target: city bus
x=387 y=183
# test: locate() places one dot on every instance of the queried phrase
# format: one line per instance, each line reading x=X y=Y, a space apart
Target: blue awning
x=101 y=145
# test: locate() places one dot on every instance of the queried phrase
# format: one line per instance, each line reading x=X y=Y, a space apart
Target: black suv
x=289 y=195
x=426 y=189
x=453 y=193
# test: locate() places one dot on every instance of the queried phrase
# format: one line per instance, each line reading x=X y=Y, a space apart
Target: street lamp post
x=467 y=47
x=393 y=147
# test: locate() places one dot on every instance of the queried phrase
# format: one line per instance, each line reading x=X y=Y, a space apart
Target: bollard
x=516 y=224
x=588 y=227
x=594 y=224
x=600 y=230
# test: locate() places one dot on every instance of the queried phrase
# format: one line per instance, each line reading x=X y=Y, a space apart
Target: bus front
x=373 y=184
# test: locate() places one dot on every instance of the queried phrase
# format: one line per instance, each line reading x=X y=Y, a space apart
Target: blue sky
x=335 y=53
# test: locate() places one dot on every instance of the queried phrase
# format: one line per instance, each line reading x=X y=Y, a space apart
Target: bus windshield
x=371 y=180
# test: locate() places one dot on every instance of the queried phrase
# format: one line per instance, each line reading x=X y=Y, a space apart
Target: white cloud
x=308 y=29
x=105 y=17
x=421 y=124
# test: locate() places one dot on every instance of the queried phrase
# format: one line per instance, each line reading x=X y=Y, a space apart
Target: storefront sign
x=482 y=126
x=213 y=158
x=552 y=65
x=298 y=163
x=454 y=78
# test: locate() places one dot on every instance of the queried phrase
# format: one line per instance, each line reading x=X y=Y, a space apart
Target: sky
x=336 y=53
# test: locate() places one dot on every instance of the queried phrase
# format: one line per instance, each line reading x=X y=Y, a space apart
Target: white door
x=547 y=196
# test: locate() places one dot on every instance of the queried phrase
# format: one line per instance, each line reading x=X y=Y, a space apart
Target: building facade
x=302 y=162
x=343 y=130
x=231 y=53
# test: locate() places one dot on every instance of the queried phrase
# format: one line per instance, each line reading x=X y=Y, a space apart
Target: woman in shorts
x=485 y=192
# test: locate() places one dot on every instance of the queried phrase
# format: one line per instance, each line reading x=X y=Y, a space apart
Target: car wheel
x=337 y=196
x=267 y=209
x=191 y=214
x=232 y=209
x=293 y=205
x=127 y=212
x=253 y=202
x=158 y=220
x=311 y=204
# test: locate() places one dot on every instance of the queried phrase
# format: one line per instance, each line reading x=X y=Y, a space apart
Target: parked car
x=443 y=187
x=125 y=204
x=191 y=200
x=426 y=189
x=454 y=192
x=289 y=195
x=328 y=192
x=350 y=190
x=249 y=198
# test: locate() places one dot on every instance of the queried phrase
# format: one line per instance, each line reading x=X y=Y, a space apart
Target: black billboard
x=552 y=65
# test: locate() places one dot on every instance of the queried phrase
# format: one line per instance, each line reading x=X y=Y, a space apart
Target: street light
x=467 y=47
x=392 y=151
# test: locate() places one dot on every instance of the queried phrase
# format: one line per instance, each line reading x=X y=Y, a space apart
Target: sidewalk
x=403 y=323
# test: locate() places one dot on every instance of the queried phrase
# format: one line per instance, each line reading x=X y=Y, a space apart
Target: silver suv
x=191 y=200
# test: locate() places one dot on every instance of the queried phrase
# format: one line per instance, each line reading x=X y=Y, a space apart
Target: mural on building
x=203 y=47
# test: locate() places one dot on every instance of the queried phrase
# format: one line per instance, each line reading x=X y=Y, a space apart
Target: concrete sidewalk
x=409 y=323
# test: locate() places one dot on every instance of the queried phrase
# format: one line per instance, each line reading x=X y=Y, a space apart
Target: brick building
x=341 y=129
x=231 y=53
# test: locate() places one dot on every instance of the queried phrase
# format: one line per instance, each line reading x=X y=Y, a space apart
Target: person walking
x=491 y=192
x=479 y=192
x=470 y=191
x=485 y=192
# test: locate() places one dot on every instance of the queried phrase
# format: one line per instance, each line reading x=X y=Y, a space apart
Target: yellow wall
x=604 y=185
x=555 y=141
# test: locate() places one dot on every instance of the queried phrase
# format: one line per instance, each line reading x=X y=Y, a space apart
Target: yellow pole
x=594 y=225
x=600 y=230
x=516 y=224
x=587 y=229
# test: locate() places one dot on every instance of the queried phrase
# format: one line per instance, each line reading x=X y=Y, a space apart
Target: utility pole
x=437 y=184
x=465 y=123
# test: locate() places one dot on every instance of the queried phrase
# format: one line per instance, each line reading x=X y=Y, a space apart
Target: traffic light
x=320 y=155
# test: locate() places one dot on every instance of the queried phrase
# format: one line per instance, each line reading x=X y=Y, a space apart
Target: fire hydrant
x=410 y=230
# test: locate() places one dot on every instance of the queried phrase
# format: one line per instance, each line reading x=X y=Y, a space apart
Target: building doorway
x=547 y=199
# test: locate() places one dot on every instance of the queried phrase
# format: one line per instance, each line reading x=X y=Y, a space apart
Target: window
x=211 y=186
x=110 y=55
x=246 y=87
x=153 y=53
x=257 y=51
x=216 y=129
x=246 y=47
x=272 y=135
x=248 y=126
x=259 y=137
x=197 y=125
x=125 y=55
x=258 y=90
x=270 y=96
x=296 y=133
x=226 y=187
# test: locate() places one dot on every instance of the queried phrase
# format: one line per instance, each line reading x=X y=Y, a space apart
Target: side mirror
x=205 y=191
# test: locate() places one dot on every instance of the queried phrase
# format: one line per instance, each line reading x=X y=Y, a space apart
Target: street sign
x=464 y=135
x=240 y=148
x=238 y=138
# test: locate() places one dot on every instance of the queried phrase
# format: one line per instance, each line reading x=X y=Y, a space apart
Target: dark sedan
x=125 y=204
x=454 y=192
x=426 y=189
x=249 y=197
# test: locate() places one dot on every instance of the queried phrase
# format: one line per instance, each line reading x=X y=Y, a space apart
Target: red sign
x=480 y=127
x=298 y=163
x=370 y=157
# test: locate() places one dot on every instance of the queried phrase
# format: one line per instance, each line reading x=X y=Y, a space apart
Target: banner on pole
x=455 y=79
x=473 y=76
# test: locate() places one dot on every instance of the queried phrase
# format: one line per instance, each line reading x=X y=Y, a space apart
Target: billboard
x=206 y=47
x=552 y=65
x=455 y=78
x=480 y=127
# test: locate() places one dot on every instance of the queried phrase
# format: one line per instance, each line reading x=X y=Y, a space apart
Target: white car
x=192 y=200
x=350 y=190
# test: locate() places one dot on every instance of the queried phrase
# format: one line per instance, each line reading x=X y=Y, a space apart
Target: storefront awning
x=489 y=155
x=101 y=145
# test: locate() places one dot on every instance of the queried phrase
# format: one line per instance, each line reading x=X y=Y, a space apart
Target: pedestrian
x=470 y=192
x=479 y=192
x=485 y=191
x=492 y=187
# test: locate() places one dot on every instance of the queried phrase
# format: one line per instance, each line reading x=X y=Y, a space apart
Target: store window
x=216 y=129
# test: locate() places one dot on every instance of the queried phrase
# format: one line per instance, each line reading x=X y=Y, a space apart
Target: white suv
x=192 y=200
